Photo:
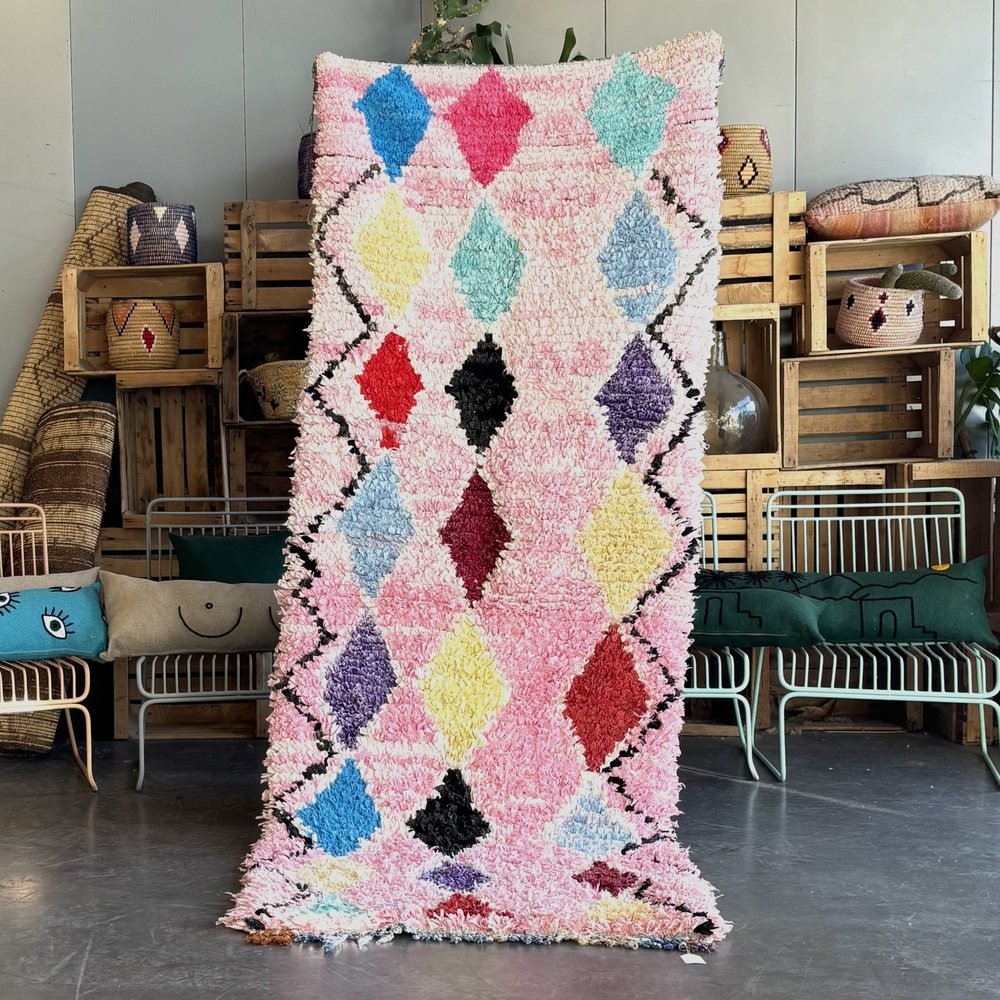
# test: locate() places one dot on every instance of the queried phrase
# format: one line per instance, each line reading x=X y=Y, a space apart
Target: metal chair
x=875 y=530
x=40 y=685
x=198 y=678
x=721 y=673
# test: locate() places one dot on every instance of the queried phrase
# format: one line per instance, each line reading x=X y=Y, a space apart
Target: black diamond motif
x=484 y=392
x=910 y=306
x=877 y=319
x=850 y=301
x=449 y=823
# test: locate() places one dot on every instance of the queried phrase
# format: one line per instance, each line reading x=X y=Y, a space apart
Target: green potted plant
x=980 y=393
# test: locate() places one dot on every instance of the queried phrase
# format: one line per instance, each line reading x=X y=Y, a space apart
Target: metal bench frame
x=199 y=678
x=871 y=530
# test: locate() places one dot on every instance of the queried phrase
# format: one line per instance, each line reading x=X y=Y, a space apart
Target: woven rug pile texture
x=487 y=598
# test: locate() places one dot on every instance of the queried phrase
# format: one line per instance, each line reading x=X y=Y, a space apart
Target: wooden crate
x=194 y=289
x=958 y=323
x=260 y=462
x=170 y=445
x=762 y=242
x=753 y=349
x=875 y=408
x=266 y=250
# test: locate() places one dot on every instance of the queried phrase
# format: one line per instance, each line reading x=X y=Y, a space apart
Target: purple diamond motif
x=358 y=684
x=635 y=399
x=455 y=876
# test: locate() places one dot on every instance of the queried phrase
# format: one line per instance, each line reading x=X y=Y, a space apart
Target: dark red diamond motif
x=475 y=535
x=877 y=319
x=884 y=297
x=605 y=878
x=606 y=700
x=148 y=338
x=462 y=902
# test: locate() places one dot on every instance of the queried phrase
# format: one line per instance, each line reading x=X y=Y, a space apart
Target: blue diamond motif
x=396 y=114
x=639 y=260
x=627 y=113
x=488 y=263
x=342 y=815
x=592 y=830
x=377 y=526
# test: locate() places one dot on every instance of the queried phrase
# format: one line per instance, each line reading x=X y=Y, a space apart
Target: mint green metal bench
x=874 y=530
x=721 y=673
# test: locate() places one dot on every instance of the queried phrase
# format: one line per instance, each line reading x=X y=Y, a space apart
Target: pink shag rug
x=487 y=598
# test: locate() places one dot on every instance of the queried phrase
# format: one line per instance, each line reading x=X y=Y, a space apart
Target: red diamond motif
x=605 y=878
x=389 y=382
x=148 y=338
x=461 y=902
x=475 y=535
x=606 y=700
x=487 y=120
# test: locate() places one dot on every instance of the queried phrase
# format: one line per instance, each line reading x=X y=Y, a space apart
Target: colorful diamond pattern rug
x=487 y=598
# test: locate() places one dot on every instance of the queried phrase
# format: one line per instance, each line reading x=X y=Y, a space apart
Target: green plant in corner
x=444 y=40
x=982 y=366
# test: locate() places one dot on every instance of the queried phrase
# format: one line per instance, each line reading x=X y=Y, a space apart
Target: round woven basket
x=160 y=233
x=871 y=316
x=746 y=159
x=142 y=334
x=277 y=385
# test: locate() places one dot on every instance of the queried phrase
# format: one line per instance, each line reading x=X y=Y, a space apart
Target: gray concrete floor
x=875 y=873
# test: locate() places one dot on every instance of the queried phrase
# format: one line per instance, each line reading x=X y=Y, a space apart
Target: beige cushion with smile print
x=146 y=617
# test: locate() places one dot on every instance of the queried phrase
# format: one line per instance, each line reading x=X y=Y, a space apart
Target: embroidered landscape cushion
x=905 y=206
x=50 y=622
x=943 y=604
x=747 y=617
x=231 y=558
x=147 y=617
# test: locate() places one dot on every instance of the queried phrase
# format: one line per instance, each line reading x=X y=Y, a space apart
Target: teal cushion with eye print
x=40 y=624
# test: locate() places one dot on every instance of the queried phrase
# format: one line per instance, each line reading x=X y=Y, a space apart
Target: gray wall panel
x=158 y=97
x=280 y=43
x=760 y=59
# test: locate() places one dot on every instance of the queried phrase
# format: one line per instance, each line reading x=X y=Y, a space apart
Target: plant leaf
x=979 y=369
x=569 y=43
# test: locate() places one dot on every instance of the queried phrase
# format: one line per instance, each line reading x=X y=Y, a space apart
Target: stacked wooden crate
x=842 y=417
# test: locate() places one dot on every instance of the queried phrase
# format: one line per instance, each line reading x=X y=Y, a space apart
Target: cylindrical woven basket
x=746 y=159
x=277 y=385
x=871 y=316
x=161 y=233
x=142 y=334
x=27 y=734
x=307 y=148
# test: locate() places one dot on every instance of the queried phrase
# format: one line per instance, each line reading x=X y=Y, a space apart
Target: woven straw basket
x=746 y=159
x=161 y=234
x=277 y=386
x=27 y=734
x=142 y=334
x=871 y=316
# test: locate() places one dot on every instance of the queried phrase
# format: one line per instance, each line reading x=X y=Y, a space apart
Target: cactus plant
x=928 y=279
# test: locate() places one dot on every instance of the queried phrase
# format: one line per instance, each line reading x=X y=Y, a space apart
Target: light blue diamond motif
x=639 y=260
x=592 y=830
x=342 y=815
x=627 y=113
x=488 y=263
x=377 y=526
x=396 y=114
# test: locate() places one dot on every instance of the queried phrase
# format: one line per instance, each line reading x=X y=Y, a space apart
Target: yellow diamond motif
x=334 y=875
x=463 y=689
x=389 y=246
x=621 y=909
x=624 y=542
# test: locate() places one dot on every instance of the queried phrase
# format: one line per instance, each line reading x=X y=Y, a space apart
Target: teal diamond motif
x=488 y=264
x=627 y=113
x=639 y=260
x=377 y=526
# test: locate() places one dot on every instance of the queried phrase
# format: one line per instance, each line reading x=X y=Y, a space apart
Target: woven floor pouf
x=487 y=598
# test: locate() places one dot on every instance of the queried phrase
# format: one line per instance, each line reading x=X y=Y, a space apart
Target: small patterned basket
x=871 y=316
x=142 y=334
x=307 y=154
x=161 y=234
x=746 y=159
x=277 y=386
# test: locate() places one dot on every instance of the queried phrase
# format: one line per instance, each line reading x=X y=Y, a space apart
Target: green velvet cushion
x=748 y=617
x=920 y=605
x=231 y=558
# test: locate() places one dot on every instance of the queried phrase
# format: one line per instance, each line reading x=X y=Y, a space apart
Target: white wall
x=36 y=168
